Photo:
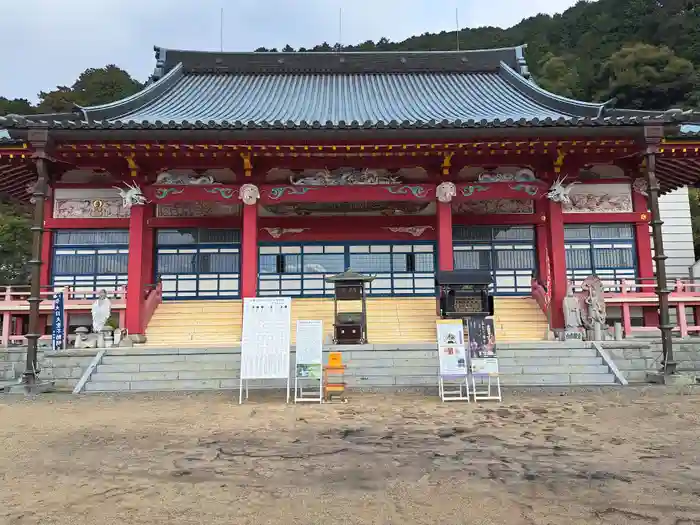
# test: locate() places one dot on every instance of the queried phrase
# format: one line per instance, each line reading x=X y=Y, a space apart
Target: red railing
x=642 y=293
x=14 y=307
x=154 y=296
x=539 y=294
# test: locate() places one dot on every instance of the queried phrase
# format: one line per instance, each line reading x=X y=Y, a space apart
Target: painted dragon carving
x=559 y=192
x=327 y=178
x=131 y=195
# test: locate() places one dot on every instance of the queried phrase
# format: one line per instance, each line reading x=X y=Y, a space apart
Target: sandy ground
x=616 y=457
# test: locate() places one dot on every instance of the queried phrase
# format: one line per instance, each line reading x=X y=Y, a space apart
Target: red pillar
x=444 y=237
x=645 y=265
x=557 y=257
x=46 y=245
x=138 y=277
x=249 y=251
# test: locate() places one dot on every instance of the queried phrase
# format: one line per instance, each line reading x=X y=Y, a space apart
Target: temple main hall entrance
x=507 y=252
x=198 y=263
x=300 y=270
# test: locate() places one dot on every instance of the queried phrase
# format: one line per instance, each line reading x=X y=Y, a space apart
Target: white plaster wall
x=677 y=232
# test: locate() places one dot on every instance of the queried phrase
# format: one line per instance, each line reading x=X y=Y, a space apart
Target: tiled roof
x=412 y=90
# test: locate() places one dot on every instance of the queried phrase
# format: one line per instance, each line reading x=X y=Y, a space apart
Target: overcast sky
x=46 y=43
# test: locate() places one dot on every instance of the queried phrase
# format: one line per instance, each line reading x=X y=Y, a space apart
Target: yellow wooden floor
x=389 y=320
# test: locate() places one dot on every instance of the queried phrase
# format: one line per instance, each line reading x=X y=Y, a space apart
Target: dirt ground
x=618 y=457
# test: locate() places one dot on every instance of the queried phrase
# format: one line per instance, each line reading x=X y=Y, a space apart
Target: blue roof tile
x=413 y=90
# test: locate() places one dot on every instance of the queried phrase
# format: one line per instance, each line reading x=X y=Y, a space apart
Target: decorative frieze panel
x=277 y=233
x=184 y=180
x=599 y=198
x=88 y=204
x=197 y=209
x=347 y=208
x=415 y=231
x=522 y=175
x=346 y=177
x=496 y=207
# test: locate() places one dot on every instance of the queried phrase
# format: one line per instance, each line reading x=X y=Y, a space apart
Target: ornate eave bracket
x=446 y=191
x=249 y=194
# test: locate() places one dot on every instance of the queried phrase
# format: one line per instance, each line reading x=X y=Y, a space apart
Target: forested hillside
x=643 y=53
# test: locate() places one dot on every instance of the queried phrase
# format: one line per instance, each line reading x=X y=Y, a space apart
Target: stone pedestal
x=32 y=389
x=681 y=379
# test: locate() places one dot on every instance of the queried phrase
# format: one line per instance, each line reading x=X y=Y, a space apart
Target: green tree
x=93 y=87
x=15 y=244
x=17 y=106
x=642 y=76
x=557 y=75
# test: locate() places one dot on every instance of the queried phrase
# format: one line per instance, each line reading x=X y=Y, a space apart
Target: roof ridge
x=340 y=61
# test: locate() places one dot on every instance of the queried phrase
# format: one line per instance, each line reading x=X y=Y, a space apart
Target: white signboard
x=487 y=366
x=266 y=338
x=309 y=348
x=451 y=350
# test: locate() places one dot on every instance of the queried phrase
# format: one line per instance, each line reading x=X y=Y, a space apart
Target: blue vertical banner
x=59 y=327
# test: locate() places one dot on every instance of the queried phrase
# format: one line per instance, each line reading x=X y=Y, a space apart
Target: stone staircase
x=196 y=323
x=399 y=320
x=165 y=369
x=518 y=319
x=368 y=367
x=390 y=320
x=219 y=323
x=552 y=364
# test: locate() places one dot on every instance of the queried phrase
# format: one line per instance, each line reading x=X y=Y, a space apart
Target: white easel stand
x=492 y=392
x=308 y=396
x=458 y=390
x=240 y=390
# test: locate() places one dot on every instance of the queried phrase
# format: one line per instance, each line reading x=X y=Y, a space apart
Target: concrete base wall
x=635 y=358
x=65 y=367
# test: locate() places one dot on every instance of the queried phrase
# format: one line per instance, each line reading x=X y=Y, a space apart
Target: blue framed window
x=605 y=250
x=90 y=260
x=301 y=269
x=507 y=252
x=198 y=263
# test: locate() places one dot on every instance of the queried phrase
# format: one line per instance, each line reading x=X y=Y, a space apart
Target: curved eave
x=127 y=105
x=563 y=122
x=550 y=100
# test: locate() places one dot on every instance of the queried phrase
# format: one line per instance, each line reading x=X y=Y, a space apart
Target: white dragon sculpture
x=131 y=195
x=559 y=192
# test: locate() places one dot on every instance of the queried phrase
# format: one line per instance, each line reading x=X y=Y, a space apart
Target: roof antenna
x=457 y=25
x=340 y=29
x=221 y=30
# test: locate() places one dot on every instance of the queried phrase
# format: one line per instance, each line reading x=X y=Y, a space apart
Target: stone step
x=168 y=358
x=549 y=361
x=168 y=366
x=505 y=369
x=558 y=380
x=544 y=353
x=163 y=385
x=162 y=375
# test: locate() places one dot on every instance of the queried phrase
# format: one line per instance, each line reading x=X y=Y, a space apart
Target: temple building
x=234 y=175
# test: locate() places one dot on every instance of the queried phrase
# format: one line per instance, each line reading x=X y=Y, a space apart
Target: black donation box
x=464 y=293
